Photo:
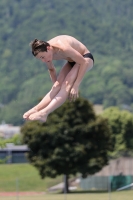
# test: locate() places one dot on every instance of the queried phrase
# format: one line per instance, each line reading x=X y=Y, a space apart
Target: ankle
x=43 y=112
x=36 y=109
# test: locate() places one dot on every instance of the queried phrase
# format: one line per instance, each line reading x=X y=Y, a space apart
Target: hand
x=73 y=95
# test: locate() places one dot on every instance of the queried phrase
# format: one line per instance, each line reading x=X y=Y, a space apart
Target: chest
x=61 y=56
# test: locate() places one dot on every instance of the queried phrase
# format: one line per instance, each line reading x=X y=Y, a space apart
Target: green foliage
x=121 y=123
x=73 y=140
x=16 y=139
x=105 y=27
x=3 y=161
x=2 y=143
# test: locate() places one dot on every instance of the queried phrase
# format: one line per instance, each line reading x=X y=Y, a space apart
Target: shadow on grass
x=84 y=191
x=88 y=191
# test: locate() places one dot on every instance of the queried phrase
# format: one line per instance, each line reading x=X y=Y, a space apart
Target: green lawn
x=28 y=179
x=25 y=176
x=124 y=195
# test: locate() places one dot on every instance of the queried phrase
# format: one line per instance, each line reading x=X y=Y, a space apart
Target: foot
x=29 y=112
x=38 y=116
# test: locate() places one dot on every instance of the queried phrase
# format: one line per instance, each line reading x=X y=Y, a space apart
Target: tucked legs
x=60 y=98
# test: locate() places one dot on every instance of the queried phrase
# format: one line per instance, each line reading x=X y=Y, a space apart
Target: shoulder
x=62 y=41
x=62 y=45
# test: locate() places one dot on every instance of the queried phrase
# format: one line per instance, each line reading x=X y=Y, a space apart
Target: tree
x=121 y=123
x=128 y=133
x=73 y=140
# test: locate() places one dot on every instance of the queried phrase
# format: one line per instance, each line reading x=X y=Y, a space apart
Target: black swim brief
x=87 y=55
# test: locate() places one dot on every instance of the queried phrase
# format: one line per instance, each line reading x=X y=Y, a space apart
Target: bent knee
x=89 y=64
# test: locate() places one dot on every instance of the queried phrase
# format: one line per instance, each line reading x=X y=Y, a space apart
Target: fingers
x=73 y=96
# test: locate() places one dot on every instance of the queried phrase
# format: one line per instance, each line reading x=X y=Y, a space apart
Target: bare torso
x=66 y=41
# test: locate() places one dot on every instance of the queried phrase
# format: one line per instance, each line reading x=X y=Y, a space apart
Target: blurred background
x=106 y=28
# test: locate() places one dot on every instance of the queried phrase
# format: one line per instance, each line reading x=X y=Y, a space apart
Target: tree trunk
x=66 y=186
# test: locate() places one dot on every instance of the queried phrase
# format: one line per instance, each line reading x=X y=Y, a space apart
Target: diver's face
x=45 y=56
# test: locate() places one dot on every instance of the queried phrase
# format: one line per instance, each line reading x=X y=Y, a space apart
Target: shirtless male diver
x=66 y=85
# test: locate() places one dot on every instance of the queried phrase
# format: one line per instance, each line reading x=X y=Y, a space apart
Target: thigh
x=72 y=75
x=63 y=73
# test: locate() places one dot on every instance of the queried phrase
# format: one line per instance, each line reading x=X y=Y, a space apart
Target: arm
x=52 y=72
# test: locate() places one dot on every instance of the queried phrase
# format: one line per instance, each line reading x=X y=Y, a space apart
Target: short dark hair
x=38 y=46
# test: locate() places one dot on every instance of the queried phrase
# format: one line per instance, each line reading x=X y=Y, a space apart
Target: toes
x=31 y=117
x=25 y=116
x=37 y=117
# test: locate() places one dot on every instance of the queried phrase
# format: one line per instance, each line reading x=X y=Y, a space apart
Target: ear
x=48 y=47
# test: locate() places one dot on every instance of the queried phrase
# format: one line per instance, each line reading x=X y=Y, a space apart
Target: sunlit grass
x=124 y=195
x=25 y=177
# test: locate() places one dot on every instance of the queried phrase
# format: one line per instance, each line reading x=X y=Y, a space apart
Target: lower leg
x=59 y=99
x=54 y=91
x=44 y=102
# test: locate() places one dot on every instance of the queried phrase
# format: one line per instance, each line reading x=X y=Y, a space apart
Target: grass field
x=25 y=176
x=124 y=195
